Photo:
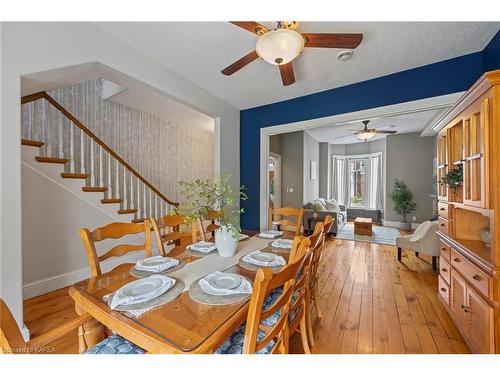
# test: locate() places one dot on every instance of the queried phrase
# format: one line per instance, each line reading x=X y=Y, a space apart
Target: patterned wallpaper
x=161 y=150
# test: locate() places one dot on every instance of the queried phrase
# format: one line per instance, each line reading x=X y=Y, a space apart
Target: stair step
x=74 y=175
x=127 y=211
x=94 y=189
x=48 y=159
x=139 y=220
x=111 y=200
x=30 y=142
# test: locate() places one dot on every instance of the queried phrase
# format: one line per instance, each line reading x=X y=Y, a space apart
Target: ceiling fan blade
x=287 y=75
x=245 y=60
x=386 y=131
x=323 y=40
x=253 y=27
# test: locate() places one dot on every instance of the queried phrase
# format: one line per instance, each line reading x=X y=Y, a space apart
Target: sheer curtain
x=339 y=180
x=376 y=182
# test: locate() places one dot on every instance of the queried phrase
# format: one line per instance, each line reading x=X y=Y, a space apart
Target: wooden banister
x=74 y=120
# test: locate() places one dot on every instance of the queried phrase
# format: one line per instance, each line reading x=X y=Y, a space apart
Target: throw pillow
x=332 y=205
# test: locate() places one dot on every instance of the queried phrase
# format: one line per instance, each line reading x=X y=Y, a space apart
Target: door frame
x=442 y=102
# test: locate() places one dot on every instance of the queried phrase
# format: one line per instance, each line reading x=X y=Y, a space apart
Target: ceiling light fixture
x=280 y=46
x=364 y=135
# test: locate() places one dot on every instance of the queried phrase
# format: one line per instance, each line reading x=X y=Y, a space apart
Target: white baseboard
x=398 y=224
x=52 y=283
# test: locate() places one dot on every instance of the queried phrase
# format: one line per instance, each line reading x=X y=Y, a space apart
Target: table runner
x=214 y=262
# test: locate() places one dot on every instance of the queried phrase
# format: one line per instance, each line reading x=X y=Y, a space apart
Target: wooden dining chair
x=11 y=339
x=167 y=231
x=114 y=231
x=313 y=295
x=266 y=328
x=204 y=228
x=288 y=212
x=297 y=321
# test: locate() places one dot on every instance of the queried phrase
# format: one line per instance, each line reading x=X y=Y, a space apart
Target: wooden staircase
x=63 y=140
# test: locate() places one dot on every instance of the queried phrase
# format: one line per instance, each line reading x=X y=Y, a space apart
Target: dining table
x=179 y=326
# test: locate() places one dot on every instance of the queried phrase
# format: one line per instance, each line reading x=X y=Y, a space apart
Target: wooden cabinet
x=442 y=167
x=473 y=315
x=480 y=315
x=469 y=278
x=476 y=143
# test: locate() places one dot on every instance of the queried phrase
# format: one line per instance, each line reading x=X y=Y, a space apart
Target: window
x=358 y=182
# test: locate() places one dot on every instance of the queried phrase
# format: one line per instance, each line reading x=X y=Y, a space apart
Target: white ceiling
x=200 y=50
x=137 y=94
x=408 y=123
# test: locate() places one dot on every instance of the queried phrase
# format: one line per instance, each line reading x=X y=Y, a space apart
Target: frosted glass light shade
x=280 y=46
x=364 y=135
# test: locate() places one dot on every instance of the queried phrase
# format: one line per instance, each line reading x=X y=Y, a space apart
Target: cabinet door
x=476 y=130
x=458 y=299
x=481 y=317
x=442 y=165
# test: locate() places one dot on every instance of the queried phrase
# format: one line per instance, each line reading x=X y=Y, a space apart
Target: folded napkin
x=203 y=247
x=160 y=267
x=244 y=288
x=271 y=234
x=282 y=243
x=243 y=236
x=277 y=262
x=120 y=299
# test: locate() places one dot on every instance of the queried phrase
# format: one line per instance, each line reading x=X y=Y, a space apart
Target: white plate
x=225 y=281
x=146 y=288
x=151 y=262
x=282 y=243
x=262 y=257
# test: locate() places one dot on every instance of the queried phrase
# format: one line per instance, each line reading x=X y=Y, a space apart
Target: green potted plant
x=403 y=200
x=453 y=179
x=201 y=196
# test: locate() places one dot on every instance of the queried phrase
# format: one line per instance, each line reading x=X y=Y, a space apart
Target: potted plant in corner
x=199 y=197
x=403 y=201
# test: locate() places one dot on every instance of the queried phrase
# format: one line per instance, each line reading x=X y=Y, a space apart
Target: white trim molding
x=398 y=224
x=434 y=103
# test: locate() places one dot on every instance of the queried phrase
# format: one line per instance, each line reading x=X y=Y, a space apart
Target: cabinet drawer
x=444 y=290
x=444 y=269
x=443 y=210
x=474 y=276
x=445 y=251
x=443 y=226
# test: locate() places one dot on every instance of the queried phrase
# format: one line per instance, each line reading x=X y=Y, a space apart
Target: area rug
x=381 y=235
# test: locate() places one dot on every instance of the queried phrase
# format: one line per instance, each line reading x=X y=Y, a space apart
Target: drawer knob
x=442 y=224
x=442 y=209
x=476 y=277
x=443 y=289
x=444 y=270
x=456 y=260
x=465 y=308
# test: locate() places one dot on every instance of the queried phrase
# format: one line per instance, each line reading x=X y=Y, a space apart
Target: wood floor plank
x=371 y=303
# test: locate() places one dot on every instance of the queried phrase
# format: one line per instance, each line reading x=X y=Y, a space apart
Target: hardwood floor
x=371 y=303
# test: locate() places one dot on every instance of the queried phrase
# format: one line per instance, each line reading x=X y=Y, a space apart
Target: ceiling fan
x=368 y=133
x=283 y=44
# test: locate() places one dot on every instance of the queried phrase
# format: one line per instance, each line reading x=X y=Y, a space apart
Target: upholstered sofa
x=324 y=208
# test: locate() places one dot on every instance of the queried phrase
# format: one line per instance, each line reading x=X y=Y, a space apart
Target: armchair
x=424 y=240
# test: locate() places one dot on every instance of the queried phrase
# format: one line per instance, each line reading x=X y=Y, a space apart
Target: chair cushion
x=234 y=344
x=115 y=345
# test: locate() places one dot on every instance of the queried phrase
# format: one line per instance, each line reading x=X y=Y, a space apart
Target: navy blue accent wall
x=441 y=78
x=491 y=54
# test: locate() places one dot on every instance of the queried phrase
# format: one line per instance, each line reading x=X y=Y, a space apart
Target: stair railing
x=65 y=137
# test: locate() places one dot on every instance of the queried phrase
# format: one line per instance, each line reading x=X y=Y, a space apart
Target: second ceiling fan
x=283 y=44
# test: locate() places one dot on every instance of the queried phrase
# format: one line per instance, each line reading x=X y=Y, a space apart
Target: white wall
x=34 y=47
x=54 y=209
